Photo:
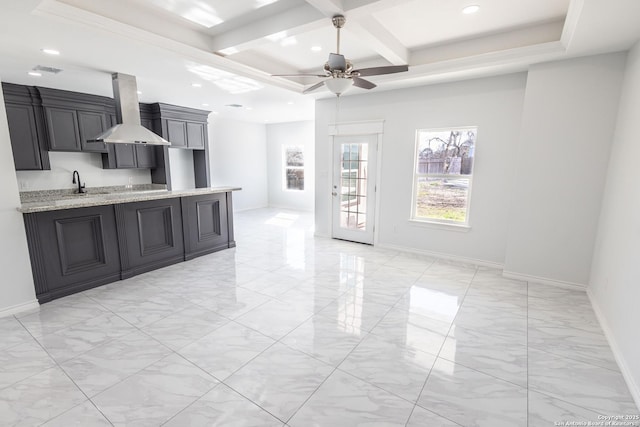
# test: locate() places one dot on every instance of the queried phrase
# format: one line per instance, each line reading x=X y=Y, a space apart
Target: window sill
x=461 y=228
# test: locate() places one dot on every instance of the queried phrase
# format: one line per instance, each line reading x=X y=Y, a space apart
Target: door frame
x=368 y=128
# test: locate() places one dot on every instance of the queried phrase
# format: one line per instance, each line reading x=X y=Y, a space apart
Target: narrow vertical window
x=293 y=168
x=443 y=175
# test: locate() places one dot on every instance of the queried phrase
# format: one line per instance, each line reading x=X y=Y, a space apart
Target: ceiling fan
x=339 y=72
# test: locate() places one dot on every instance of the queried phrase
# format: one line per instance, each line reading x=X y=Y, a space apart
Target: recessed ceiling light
x=196 y=85
x=249 y=108
x=214 y=112
x=139 y=92
x=34 y=74
x=290 y=103
x=50 y=51
x=316 y=48
x=471 y=9
x=205 y=104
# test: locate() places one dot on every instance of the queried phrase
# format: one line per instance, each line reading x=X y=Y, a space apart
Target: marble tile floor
x=288 y=330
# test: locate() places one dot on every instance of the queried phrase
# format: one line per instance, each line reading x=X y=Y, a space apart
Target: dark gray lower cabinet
x=150 y=235
x=206 y=224
x=72 y=250
x=76 y=249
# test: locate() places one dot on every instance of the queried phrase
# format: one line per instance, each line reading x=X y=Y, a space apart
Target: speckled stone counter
x=51 y=200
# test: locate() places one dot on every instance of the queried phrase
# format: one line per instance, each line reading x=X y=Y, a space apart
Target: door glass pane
x=353 y=185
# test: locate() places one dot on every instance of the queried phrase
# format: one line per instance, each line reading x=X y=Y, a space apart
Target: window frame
x=416 y=176
x=286 y=167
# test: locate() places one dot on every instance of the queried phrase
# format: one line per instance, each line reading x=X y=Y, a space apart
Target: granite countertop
x=51 y=200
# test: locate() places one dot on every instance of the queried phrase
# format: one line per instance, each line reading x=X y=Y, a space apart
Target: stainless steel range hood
x=129 y=130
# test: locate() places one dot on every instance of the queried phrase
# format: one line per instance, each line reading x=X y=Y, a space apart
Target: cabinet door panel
x=92 y=124
x=145 y=156
x=78 y=249
x=24 y=137
x=195 y=135
x=125 y=156
x=205 y=223
x=177 y=132
x=152 y=234
x=62 y=125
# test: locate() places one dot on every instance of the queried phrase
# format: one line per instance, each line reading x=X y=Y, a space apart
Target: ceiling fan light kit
x=339 y=72
x=338 y=86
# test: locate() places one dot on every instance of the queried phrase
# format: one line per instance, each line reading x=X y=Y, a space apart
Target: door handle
x=333 y=193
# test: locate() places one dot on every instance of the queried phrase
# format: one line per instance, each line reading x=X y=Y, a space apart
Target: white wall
x=568 y=122
x=239 y=158
x=290 y=134
x=89 y=165
x=492 y=104
x=614 y=286
x=16 y=287
x=182 y=172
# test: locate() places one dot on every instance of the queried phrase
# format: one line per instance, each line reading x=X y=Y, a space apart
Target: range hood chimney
x=129 y=130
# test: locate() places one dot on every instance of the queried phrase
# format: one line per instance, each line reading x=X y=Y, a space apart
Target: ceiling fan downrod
x=338 y=22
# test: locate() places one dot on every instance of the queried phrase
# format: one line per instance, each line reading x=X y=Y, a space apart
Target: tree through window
x=443 y=174
x=293 y=168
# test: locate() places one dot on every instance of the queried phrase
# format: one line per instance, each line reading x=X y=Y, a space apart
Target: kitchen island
x=80 y=241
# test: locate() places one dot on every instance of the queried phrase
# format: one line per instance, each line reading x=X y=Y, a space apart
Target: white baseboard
x=18 y=308
x=441 y=255
x=634 y=387
x=544 y=280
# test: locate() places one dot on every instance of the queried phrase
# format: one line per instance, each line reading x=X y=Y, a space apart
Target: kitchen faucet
x=81 y=189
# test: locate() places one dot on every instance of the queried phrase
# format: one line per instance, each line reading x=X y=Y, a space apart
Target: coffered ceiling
x=230 y=49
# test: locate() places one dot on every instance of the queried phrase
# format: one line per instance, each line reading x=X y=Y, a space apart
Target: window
x=443 y=173
x=293 y=168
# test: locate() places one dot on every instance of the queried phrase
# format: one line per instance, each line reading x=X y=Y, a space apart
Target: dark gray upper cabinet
x=62 y=125
x=125 y=156
x=91 y=124
x=183 y=127
x=130 y=156
x=73 y=118
x=26 y=127
x=196 y=135
x=177 y=133
x=145 y=156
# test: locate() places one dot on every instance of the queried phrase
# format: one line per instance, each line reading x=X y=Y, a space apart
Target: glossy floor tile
x=288 y=330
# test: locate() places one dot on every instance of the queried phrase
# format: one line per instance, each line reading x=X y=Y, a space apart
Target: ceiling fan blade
x=362 y=83
x=312 y=88
x=376 y=71
x=298 y=75
x=337 y=62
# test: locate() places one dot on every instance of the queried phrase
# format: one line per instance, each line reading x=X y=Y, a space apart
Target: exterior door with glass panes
x=353 y=190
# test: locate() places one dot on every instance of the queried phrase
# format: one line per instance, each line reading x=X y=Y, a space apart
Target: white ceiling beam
x=328 y=7
x=58 y=10
x=359 y=8
x=376 y=36
x=277 y=17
